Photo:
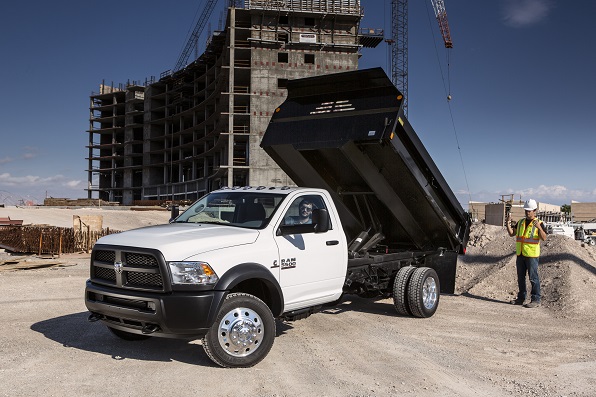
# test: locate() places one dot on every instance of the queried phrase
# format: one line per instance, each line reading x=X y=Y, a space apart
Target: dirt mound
x=567 y=270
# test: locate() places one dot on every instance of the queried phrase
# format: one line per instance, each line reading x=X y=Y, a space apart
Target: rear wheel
x=128 y=335
x=423 y=292
x=242 y=334
x=400 y=290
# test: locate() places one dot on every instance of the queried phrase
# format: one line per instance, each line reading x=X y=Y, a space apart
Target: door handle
x=332 y=242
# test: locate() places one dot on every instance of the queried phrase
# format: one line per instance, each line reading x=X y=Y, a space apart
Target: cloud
x=28 y=181
x=520 y=13
x=74 y=184
x=5 y=160
x=554 y=194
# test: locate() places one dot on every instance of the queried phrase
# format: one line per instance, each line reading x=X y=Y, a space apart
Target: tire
x=423 y=292
x=592 y=242
x=128 y=335
x=242 y=334
x=400 y=290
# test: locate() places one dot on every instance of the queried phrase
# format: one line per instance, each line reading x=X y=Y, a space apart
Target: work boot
x=532 y=305
x=517 y=302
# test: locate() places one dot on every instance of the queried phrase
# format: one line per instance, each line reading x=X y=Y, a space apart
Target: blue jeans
x=528 y=266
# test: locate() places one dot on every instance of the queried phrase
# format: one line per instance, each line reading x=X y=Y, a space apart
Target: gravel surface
x=475 y=345
x=114 y=218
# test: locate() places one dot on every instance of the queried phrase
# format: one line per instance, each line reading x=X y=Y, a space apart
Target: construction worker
x=528 y=231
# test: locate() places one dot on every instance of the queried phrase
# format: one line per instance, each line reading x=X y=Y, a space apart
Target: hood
x=178 y=241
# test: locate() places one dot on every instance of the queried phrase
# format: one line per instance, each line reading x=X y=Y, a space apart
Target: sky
x=521 y=76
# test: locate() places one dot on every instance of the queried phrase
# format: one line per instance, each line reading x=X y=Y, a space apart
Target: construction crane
x=399 y=41
x=196 y=33
x=441 y=15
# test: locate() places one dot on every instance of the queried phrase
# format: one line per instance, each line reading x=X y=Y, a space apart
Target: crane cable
x=447 y=89
x=194 y=22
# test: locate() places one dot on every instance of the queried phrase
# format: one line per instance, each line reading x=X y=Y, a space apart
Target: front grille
x=128 y=269
x=105 y=256
x=105 y=274
x=144 y=279
x=134 y=259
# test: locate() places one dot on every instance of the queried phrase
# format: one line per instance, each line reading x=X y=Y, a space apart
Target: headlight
x=192 y=273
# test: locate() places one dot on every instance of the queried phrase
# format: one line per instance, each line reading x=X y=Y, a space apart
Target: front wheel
x=242 y=334
x=423 y=292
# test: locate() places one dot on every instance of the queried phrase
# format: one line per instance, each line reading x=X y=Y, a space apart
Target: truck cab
x=171 y=280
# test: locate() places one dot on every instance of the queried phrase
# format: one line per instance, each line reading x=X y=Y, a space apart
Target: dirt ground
x=475 y=345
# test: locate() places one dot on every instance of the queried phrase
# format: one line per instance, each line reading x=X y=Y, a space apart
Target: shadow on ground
x=74 y=331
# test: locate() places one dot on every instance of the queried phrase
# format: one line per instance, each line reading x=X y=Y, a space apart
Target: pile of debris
x=567 y=270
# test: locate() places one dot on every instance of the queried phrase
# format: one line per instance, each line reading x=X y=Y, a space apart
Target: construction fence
x=50 y=240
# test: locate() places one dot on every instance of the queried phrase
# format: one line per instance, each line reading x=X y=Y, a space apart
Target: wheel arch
x=254 y=279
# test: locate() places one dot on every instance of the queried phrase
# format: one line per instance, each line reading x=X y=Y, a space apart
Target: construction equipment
x=194 y=37
x=441 y=15
x=399 y=39
x=586 y=232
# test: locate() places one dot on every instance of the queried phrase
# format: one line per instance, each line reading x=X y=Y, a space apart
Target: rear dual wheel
x=416 y=291
x=400 y=290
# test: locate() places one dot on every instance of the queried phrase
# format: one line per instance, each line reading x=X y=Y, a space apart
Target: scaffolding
x=198 y=129
x=347 y=7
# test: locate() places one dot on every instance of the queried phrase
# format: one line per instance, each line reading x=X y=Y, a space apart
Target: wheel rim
x=429 y=293
x=240 y=332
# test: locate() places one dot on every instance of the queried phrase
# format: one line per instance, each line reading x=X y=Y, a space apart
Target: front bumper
x=186 y=315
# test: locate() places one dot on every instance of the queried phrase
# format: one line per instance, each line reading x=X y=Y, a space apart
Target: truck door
x=312 y=265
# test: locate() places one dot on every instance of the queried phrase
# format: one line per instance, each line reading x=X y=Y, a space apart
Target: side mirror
x=174 y=213
x=320 y=218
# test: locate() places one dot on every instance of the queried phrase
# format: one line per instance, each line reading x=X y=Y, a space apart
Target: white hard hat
x=530 y=205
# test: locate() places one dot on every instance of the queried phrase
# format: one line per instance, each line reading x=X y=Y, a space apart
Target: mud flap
x=445 y=266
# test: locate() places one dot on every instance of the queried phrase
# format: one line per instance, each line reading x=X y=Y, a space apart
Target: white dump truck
x=371 y=215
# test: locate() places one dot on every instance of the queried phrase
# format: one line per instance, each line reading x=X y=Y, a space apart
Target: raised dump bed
x=347 y=133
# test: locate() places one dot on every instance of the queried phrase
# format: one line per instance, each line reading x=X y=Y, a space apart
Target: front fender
x=253 y=271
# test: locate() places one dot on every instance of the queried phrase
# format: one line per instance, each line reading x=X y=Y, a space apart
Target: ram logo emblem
x=118 y=267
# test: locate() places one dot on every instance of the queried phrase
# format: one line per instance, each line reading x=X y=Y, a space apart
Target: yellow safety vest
x=527 y=242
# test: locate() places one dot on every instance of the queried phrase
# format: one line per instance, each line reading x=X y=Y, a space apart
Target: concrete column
x=232 y=37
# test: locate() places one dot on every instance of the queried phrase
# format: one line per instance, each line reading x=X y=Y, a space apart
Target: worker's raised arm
x=510 y=229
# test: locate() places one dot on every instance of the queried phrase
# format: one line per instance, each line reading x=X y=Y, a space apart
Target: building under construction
x=199 y=128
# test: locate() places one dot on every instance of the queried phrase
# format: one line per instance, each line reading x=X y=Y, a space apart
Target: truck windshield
x=248 y=209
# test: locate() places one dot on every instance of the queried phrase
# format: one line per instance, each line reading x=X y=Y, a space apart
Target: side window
x=300 y=211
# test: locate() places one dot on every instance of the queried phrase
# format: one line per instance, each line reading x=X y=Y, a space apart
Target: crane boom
x=194 y=37
x=399 y=42
x=399 y=49
x=441 y=15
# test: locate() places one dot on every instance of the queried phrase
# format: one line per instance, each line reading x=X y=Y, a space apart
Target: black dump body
x=346 y=133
